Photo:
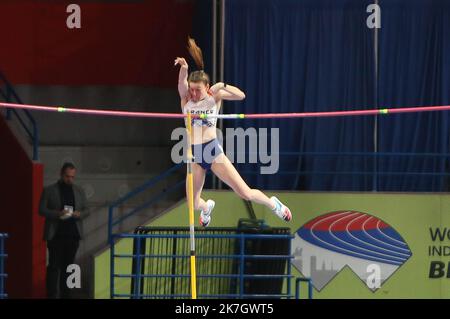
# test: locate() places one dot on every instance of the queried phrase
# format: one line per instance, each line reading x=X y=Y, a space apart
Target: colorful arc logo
x=328 y=243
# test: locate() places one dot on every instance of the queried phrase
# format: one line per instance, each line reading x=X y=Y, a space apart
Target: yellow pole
x=190 y=181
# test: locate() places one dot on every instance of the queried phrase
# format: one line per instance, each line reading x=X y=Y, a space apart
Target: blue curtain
x=318 y=55
x=202 y=33
x=304 y=56
x=414 y=70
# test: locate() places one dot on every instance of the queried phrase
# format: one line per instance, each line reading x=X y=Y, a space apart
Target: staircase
x=105 y=174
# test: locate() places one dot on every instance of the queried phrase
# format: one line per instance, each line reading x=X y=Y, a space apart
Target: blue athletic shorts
x=206 y=153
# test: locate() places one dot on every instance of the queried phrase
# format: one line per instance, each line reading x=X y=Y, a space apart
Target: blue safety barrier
x=231 y=263
x=3 y=275
x=297 y=287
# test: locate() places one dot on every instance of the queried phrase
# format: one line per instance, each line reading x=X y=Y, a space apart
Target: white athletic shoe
x=205 y=217
x=281 y=210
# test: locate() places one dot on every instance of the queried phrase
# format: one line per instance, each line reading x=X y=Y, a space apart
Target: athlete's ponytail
x=197 y=55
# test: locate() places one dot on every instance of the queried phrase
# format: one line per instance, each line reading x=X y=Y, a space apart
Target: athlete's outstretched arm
x=224 y=91
x=183 y=85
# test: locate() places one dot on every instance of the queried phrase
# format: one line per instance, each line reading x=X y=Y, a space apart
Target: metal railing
x=230 y=264
x=153 y=200
x=3 y=275
x=297 y=287
x=373 y=163
x=10 y=96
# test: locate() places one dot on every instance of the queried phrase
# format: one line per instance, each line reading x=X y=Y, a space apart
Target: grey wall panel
x=76 y=129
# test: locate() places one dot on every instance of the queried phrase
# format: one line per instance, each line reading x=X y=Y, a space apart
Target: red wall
x=119 y=43
x=20 y=188
x=38 y=245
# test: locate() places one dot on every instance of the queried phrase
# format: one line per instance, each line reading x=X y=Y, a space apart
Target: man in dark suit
x=63 y=205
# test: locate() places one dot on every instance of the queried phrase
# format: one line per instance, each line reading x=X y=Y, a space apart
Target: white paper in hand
x=69 y=209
